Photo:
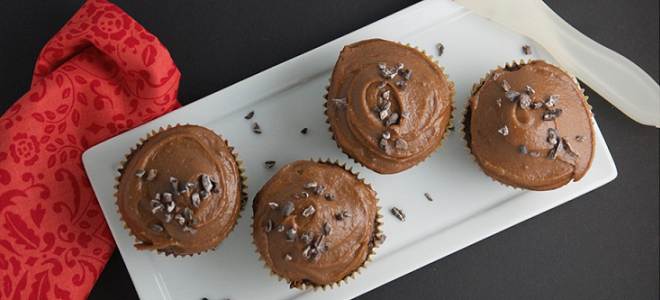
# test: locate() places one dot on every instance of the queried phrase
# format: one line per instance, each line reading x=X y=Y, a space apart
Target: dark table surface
x=602 y=245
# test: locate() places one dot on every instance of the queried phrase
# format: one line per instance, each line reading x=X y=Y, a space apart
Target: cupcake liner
x=449 y=127
x=376 y=240
x=138 y=146
x=466 y=137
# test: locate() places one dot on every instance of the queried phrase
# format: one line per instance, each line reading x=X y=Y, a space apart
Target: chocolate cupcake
x=180 y=191
x=315 y=224
x=528 y=125
x=388 y=105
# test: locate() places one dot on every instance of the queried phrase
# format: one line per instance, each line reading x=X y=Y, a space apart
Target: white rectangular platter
x=467 y=206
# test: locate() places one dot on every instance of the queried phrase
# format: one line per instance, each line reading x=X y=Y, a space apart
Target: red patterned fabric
x=102 y=74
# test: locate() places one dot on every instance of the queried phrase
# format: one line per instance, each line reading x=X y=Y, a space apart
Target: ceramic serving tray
x=467 y=206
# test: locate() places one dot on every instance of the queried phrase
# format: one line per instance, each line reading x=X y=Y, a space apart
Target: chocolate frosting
x=187 y=153
x=540 y=147
x=348 y=237
x=365 y=76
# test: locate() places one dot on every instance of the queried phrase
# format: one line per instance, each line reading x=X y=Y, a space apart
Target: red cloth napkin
x=100 y=75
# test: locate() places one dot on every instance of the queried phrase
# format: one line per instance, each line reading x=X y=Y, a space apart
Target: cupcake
x=528 y=125
x=180 y=192
x=315 y=224
x=388 y=105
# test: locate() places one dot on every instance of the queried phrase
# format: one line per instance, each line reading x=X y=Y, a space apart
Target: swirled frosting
x=529 y=126
x=314 y=223
x=180 y=192
x=388 y=105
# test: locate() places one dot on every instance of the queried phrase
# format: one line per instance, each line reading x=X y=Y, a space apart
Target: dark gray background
x=603 y=245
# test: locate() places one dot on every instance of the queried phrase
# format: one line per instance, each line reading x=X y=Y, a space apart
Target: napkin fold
x=99 y=76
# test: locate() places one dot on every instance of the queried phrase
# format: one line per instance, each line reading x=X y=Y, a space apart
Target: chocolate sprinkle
x=529 y=90
x=156 y=228
x=327 y=228
x=170 y=206
x=388 y=74
x=382 y=84
x=534 y=154
x=308 y=211
x=270 y=163
x=382 y=65
x=525 y=101
x=428 y=196
x=195 y=200
x=167 y=218
x=381 y=239
x=304 y=130
x=579 y=138
x=204 y=194
x=249 y=115
x=402 y=84
x=156 y=206
x=393 y=119
x=340 y=103
x=287 y=208
x=552 y=136
x=552 y=101
x=183 y=188
x=569 y=149
x=280 y=228
x=329 y=197
x=167 y=197
x=407 y=74
x=140 y=173
x=291 y=235
x=383 y=143
x=504 y=130
x=287 y=257
x=523 y=149
x=499 y=102
x=174 y=186
x=304 y=195
x=399 y=214
x=273 y=205
x=527 y=49
x=383 y=114
x=512 y=95
x=506 y=86
x=550 y=115
x=180 y=219
x=386 y=95
x=319 y=190
x=189 y=229
x=399 y=66
x=268 y=226
x=405 y=114
x=310 y=185
x=441 y=49
x=206 y=182
x=152 y=174
x=256 y=128
x=537 y=105
x=307 y=237
x=386 y=135
x=386 y=105
x=496 y=75
x=555 y=151
x=343 y=215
